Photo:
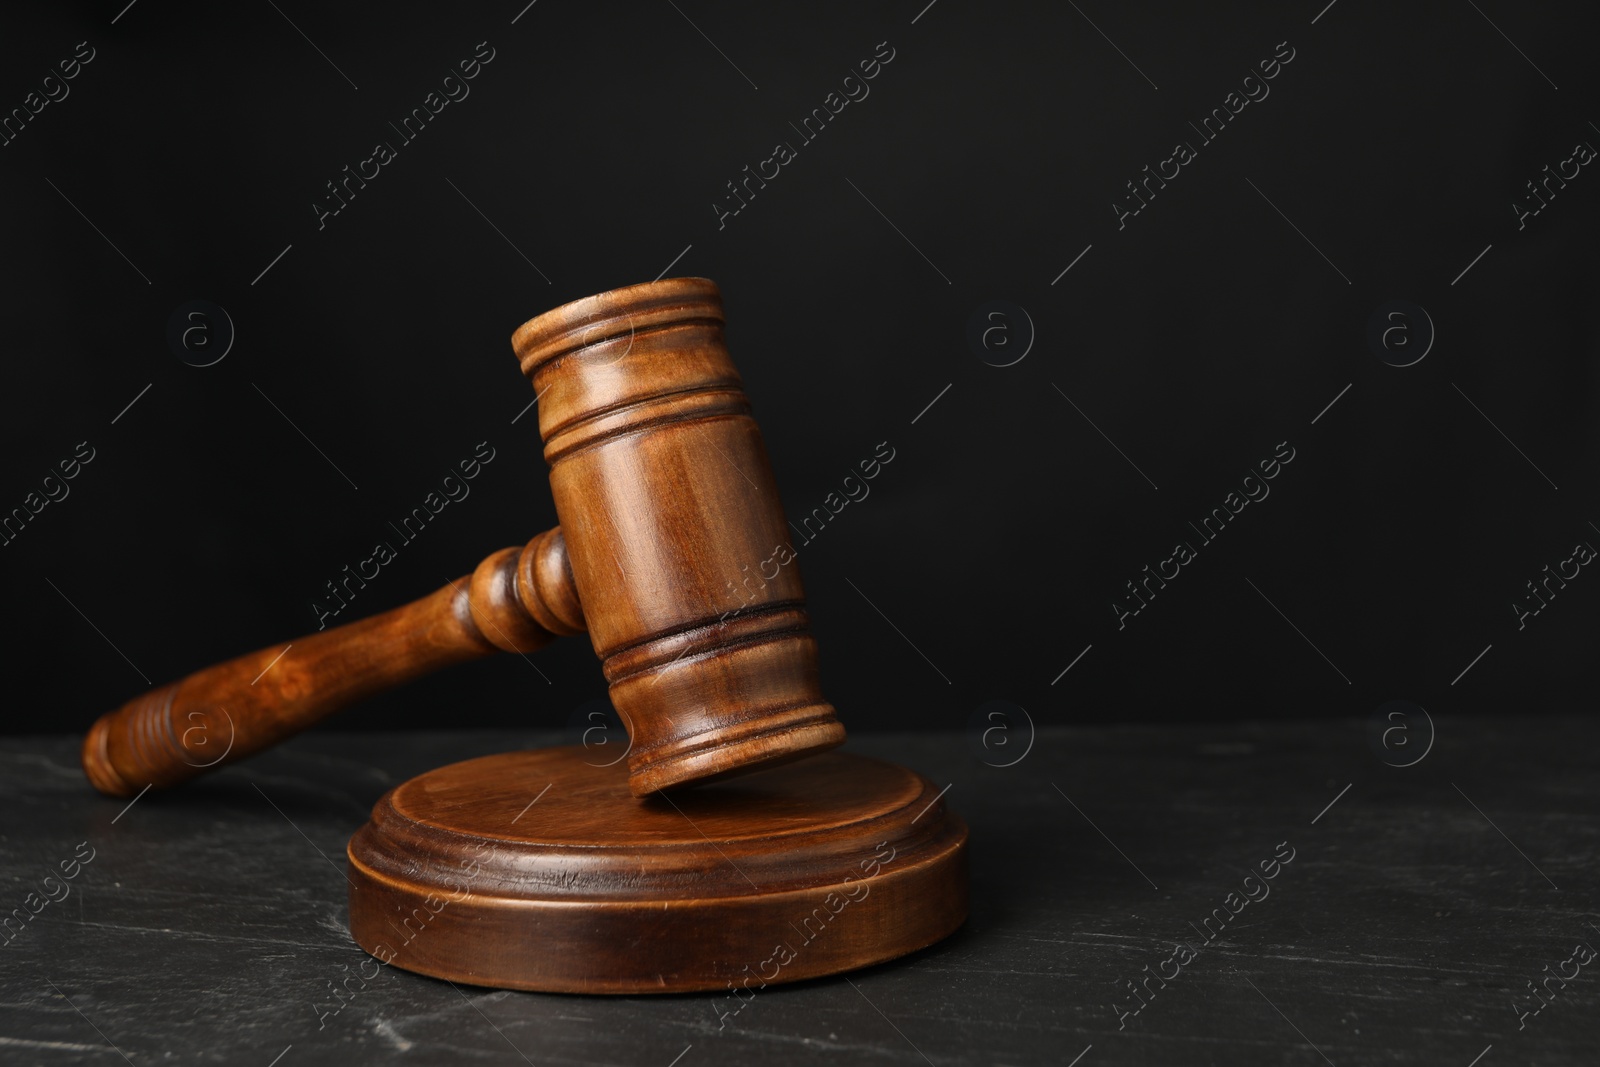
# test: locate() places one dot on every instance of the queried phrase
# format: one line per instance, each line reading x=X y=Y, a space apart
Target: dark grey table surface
x=1420 y=909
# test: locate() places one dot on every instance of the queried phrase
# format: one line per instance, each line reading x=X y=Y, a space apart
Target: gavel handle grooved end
x=518 y=599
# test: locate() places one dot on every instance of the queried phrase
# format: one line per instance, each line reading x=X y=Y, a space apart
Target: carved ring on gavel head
x=666 y=498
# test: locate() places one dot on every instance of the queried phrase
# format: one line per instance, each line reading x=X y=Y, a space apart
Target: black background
x=1196 y=338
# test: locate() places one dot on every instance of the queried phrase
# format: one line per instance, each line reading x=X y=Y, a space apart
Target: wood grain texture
x=669 y=507
x=667 y=502
x=538 y=870
x=518 y=599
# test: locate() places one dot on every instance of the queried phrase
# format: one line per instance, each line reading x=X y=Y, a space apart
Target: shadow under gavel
x=665 y=497
x=517 y=600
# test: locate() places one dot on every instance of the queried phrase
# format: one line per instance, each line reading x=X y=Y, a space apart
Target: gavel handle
x=517 y=600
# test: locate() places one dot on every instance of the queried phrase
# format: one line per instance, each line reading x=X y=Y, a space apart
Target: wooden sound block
x=540 y=870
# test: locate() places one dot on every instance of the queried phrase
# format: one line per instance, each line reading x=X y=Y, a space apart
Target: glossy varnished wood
x=516 y=600
x=680 y=566
x=679 y=547
x=538 y=870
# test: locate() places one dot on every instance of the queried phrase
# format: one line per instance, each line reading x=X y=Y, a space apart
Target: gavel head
x=678 y=545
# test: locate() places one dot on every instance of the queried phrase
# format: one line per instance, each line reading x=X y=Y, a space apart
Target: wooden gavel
x=665 y=497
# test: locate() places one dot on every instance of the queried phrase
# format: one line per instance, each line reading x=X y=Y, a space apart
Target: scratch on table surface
x=74 y=772
x=1077 y=937
x=334 y=925
x=385 y=1029
x=1362 y=959
x=204 y=938
x=967 y=969
x=25 y=1042
x=448 y=1009
x=880 y=1047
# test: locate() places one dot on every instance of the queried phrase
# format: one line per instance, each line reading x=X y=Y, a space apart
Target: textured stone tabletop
x=1228 y=894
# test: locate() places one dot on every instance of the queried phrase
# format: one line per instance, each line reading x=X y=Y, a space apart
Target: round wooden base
x=539 y=870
